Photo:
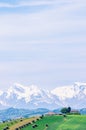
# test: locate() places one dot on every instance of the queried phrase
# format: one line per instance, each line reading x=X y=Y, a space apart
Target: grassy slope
x=16 y=123
x=11 y=123
x=46 y=120
x=23 y=122
x=75 y=122
x=72 y=122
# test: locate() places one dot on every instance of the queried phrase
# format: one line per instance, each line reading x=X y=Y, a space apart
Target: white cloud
x=26 y=3
x=74 y=4
x=36 y=3
x=40 y=24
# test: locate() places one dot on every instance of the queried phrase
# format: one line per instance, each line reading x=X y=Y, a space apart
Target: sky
x=42 y=42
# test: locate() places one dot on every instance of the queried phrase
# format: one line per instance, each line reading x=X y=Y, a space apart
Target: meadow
x=53 y=122
x=71 y=122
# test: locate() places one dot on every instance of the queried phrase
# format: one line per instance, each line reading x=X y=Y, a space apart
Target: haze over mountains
x=32 y=97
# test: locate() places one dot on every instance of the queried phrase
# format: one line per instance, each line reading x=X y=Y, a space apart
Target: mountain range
x=33 y=97
x=15 y=113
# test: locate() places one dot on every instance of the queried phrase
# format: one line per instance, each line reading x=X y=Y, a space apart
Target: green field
x=16 y=123
x=9 y=124
x=72 y=122
x=55 y=122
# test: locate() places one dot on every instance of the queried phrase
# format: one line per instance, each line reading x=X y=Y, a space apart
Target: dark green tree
x=66 y=110
x=69 y=109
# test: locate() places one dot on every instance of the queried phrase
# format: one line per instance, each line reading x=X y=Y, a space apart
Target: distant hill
x=13 y=113
x=83 y=111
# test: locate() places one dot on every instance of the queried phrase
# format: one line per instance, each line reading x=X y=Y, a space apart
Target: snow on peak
x=70 y=91
x=3 y=103
x=64 y=92
x=16 y=88
x=1 y=92
x=23 y=91
x=27 y=92
x=31 y=96
x=80 y=84
x=81 y=87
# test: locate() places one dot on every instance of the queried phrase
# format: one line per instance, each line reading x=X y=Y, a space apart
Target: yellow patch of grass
x=23 y=122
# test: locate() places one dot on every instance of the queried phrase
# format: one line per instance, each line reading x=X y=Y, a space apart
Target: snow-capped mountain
x=74 y=95
x=20 y=96
x=30 y=97
x=70 y=91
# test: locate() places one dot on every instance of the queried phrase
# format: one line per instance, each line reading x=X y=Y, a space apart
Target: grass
x=56 y=122
x=71 y=122
x=8 y=123
x=25 y=121
x=15 y=123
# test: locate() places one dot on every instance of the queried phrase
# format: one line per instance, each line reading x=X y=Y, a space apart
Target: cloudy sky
x=42 y=42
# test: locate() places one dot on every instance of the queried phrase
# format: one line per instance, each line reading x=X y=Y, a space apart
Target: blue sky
x=42 y=42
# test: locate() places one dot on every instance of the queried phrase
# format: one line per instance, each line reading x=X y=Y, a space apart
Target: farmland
x=53 y=122
x=73 y=122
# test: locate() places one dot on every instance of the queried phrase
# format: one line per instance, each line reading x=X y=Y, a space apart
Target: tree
x=69 y=109
x=66 y=110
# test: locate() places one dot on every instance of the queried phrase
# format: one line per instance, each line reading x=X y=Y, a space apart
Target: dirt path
x=17 y=125
x=45 y=128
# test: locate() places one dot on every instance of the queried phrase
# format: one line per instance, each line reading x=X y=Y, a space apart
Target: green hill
x=49 y=122
x=71 y=122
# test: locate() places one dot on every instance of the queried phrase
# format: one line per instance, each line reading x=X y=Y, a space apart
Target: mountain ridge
x=15 y=113
x=19 y=96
